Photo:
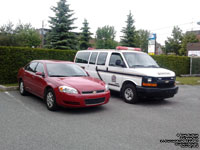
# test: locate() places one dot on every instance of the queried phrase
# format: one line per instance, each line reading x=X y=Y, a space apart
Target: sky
x=156 y=16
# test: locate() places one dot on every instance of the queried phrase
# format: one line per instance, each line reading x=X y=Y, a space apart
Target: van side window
x=102 y=58
x=82 y=57
x=93 y=58
x=114 y=58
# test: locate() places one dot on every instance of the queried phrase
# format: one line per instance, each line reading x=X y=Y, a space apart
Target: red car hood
x=81 y=83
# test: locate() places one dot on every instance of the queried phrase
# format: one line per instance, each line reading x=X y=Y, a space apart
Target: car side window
x=93 y=58
x=82 y=57
x=114 y=58
x=31 y=67
x=40 y=68
x=102 y=58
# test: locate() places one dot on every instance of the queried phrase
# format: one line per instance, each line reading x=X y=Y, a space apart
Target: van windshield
x=139 y=60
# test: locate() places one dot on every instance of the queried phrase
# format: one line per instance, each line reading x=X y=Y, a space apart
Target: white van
x=127 y=70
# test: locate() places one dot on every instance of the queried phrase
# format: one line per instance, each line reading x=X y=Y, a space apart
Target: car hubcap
x=128 y=94
x=50 y=100
x=21 y=87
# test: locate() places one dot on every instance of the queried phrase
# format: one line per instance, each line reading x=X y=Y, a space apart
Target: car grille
x=94 y=101
x=165 y=82
x=93 y=92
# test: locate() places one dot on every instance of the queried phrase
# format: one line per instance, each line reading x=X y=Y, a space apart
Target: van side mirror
x=119 y=63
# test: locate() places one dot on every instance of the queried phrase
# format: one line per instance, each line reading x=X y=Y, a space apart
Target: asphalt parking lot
x=26 y=124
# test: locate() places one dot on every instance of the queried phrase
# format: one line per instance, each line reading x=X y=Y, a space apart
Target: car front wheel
x=50 y=100
x=129 y=94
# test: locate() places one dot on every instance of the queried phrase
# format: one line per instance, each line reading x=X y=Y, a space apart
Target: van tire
x=129 y=94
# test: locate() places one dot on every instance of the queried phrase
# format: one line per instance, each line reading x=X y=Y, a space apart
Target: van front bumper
x=146 y=92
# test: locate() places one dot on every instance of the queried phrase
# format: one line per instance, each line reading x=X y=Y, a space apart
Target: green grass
x=188 y=80
x=12 y=84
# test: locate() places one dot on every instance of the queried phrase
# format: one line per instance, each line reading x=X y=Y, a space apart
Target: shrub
x=13 y=58
x=178 y=64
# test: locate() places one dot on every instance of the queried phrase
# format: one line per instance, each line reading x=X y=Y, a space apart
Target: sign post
x=152 y=44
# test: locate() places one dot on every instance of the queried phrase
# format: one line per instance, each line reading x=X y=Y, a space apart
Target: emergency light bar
x=90 y=48
x=127 y=48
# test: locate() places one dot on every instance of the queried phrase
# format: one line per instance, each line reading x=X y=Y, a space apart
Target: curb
x=10 y=88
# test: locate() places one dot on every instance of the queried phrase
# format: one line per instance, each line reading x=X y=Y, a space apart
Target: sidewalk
x=8 y=88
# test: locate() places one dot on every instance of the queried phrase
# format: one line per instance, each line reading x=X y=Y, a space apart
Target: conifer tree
x=129 y=33
x=61 y=35
x=85 y=36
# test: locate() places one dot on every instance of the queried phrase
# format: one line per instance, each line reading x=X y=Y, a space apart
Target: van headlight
x=106 y=87
x=149 y=81
x=67 y=89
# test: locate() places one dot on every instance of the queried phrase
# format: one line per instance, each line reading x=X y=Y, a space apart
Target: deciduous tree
x=173 y=44
x=189 y=37
x=105 y=38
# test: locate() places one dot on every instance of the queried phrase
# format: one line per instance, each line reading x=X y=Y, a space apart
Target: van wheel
x=22 y=88
x=129 y=94
x=50 y=100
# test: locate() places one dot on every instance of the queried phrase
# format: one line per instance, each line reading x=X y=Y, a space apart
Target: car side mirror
x=87 y=73
x=40 y=74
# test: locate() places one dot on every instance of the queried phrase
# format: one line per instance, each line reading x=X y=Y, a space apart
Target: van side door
x=116 y=68
x=101 y=67
x=92 y=65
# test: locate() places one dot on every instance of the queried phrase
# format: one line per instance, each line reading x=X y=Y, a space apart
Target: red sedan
x=62 y=83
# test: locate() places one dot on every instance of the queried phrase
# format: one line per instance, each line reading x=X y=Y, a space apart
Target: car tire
x=129 y=94
x=22 y=90
x=50 y=100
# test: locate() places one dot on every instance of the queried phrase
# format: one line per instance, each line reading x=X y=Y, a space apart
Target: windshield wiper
x=139 y=66
x=152 y=66
x=58 y=76
x=78 y=76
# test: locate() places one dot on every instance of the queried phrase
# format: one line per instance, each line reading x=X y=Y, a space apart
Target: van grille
x=166 y=82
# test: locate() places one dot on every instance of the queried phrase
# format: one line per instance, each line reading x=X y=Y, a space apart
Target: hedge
x=178 y=64
x=13 y=58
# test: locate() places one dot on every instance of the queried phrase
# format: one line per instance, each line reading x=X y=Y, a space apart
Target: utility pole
x=42 y=33
x=155 y=45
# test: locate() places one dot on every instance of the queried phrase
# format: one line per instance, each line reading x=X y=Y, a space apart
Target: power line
x=173 y=26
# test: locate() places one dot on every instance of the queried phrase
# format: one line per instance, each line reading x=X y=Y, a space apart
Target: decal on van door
x=113 y=78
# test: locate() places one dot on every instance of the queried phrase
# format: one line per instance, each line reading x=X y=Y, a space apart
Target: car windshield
x=139 y=60
x=65 y=70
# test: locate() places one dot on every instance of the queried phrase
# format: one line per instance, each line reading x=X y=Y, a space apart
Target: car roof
x=52 y=61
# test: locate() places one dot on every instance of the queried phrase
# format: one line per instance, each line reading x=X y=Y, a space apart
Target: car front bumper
x=147 y=92
x=82 y=100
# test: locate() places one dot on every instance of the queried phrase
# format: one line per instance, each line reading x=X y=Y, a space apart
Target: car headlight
x=106 y=87
x=67 y=89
